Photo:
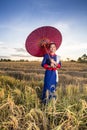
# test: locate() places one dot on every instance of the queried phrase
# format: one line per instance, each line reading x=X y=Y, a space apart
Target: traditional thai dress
x=51 y=76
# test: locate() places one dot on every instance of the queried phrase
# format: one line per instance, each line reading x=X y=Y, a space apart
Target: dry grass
x=20 y=93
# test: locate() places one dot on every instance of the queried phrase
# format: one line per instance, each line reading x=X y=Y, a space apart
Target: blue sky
x=18 y=18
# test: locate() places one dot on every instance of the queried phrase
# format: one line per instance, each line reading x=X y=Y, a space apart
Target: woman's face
x=52 y=48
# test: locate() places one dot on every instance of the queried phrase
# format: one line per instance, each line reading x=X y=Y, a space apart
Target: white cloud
x=74 y=41
x=7 y=52
x=13 y=42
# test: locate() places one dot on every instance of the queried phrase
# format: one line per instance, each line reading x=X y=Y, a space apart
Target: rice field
x=21 y=86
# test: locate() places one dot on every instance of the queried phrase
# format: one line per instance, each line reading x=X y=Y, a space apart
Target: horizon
x=39 y=59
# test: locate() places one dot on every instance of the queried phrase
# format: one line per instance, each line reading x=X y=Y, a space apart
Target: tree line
x=82 y=59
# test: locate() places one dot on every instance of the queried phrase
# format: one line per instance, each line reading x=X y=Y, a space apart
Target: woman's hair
x=52 y=43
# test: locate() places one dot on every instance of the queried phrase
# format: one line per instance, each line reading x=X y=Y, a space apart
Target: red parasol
x=37 y=43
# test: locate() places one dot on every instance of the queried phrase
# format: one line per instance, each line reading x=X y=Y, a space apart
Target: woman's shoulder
x=46 y=55
x=58 y=58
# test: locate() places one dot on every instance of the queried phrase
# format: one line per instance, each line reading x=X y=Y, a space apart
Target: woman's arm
x=44 y=62
x=59 y=64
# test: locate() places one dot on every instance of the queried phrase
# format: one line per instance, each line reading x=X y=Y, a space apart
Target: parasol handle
x=45 y=44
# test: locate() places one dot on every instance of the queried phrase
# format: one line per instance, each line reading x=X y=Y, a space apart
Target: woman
x=51 y=63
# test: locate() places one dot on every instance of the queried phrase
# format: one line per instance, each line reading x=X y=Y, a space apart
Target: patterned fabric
x=51 y=76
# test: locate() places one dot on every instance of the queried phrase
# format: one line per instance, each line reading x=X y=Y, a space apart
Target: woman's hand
x=53 y=63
